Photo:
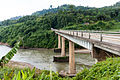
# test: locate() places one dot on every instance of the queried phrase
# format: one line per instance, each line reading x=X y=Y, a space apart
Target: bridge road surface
x=109 y=41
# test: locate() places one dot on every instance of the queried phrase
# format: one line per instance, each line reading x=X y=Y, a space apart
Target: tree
x=50 y=6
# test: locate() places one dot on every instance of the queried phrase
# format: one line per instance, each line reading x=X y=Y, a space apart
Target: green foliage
x=5 y=59
x=105 y=70
x=27 y=74
x=35 y=29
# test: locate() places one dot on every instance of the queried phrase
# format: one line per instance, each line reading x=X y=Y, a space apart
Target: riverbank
x=5 y=44
x=21 y=65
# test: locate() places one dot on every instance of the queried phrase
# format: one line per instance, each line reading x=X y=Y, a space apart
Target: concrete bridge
x=100 y=43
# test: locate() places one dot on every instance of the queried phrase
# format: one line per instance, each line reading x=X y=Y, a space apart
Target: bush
x=105 y=70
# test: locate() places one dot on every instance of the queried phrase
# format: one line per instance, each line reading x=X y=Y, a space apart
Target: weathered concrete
x=59 y=58
x=66 y=74
x=100 y=54
x=80 y=41
x=100 y=45
x=110 y=45
x=57 y=50
x=63 y=47
x=59 y=42
x=72 y=68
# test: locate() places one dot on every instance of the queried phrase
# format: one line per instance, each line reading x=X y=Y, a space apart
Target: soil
x=22 y=65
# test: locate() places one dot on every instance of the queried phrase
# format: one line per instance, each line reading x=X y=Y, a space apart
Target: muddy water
x=43 y=58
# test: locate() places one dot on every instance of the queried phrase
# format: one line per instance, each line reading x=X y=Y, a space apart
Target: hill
x=63 y=7
x=35 y=30
x=15 y=18
x=117 y=5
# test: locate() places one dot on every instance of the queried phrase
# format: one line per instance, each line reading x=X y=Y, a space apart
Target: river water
x=43 y=58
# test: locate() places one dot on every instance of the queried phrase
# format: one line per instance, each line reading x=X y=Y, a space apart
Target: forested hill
x=117 y=5
x=15 y=18
x=63 y=7
x=35 y=30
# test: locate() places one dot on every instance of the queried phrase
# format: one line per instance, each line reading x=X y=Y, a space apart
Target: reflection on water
x=43 y=58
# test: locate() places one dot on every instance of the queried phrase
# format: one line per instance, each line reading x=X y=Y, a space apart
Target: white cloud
x=12 y=8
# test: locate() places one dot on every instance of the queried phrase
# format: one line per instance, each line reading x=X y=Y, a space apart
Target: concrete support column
x=63 y=47
x=99 y=54
x=59 y=42
x=72 y=69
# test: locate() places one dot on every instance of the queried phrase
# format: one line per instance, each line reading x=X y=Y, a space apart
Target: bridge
x=101 y=44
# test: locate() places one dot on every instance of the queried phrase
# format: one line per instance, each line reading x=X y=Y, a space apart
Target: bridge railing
x=103 y=36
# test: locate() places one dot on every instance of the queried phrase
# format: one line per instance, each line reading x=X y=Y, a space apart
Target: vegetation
x=36 y=29
x=5 y=59
x=27 y=74
x=106 y=70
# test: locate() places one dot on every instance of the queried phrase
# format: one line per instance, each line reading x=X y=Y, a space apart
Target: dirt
x=22 y=65
x=19 y=65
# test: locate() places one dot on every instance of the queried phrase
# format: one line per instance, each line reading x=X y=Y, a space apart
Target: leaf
x=42 y=76
x=23 y=75
x=5 y=59
x=30 y=76
x=18 y=76
x=14 y=77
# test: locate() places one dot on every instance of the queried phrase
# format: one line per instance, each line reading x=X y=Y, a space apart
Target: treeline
x=63 y=7
x=35 y=29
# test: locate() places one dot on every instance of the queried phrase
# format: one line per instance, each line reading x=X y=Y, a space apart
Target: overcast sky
x=12 y=8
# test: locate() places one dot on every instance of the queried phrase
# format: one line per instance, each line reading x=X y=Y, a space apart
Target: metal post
x=101 y=37
x=89 y=35
x=77 y=33
x=73 y=32
x=81 y=34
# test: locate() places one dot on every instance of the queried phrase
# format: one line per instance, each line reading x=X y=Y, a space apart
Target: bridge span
x=101 y=44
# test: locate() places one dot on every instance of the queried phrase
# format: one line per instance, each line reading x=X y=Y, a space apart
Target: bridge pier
x=59 y=42
x=62 y=57
x=63 y=47
x=99 y=54
x=58 y=50
x=72 y=69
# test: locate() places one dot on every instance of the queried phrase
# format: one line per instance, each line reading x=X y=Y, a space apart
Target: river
x=43 y=58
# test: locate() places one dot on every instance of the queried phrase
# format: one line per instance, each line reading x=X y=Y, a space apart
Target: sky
x=12 y=8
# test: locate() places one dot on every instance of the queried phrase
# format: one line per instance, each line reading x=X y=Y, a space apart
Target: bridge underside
x=77 y=40
x=90 y=44
x=99 y=50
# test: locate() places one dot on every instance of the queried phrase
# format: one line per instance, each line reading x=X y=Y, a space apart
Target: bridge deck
x=106 y=41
